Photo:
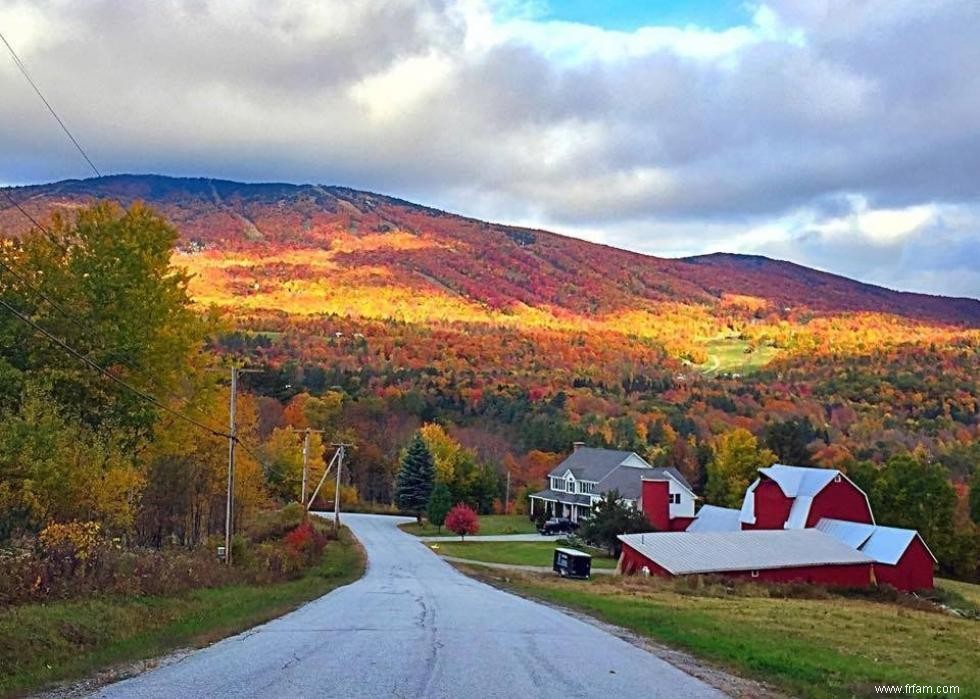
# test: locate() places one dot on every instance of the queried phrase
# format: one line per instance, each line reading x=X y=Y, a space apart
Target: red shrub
x=462 y=520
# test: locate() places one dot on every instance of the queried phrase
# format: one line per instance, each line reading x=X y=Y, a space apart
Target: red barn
x=901 y=557
x=796 y=524
x=794 y=497
x=782 y=556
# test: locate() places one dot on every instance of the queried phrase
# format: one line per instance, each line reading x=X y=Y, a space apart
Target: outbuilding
x=901 y=557
x=781 y=556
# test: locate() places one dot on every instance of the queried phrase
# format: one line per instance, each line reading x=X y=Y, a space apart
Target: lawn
x=66 y=640
x=489 y=524
x=835 y=647
x=729 y=355
x=525 y=553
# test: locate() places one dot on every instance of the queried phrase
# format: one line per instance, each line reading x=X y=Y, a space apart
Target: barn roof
x=798 y=482
x=883 y=544
x=711 y=518
x=683 y=553
x=887 y=544
x=854 y=534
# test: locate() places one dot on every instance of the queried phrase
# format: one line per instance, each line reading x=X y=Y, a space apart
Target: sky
x=839 y=134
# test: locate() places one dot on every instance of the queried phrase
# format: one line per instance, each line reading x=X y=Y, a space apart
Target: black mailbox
x=570 y=563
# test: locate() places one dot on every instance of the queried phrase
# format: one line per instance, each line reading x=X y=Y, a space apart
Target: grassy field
x=728 y=355
x=525 y=553
x=44 y=643
x=821 y=648
x=489 y=524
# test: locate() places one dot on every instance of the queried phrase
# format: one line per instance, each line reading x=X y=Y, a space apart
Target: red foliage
x=462 y=520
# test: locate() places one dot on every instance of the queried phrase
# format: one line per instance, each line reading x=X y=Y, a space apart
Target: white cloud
x=814 y=131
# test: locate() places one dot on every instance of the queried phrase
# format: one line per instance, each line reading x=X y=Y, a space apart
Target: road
x=415 y=627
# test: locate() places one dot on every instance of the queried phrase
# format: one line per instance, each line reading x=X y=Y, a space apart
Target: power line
x=108 y=374
x=23 y=69
x=71 y=317
x=48 y=234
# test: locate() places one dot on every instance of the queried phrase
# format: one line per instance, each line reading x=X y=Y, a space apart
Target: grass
x=970 y=593
x=489 y=525
x=819 y=648
x=525 y=553
x=45 y=643
x=728 y=355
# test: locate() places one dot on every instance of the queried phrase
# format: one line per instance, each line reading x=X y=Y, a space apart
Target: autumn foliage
x=462 y=520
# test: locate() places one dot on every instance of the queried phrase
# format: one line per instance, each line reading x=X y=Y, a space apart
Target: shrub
x=462 y=520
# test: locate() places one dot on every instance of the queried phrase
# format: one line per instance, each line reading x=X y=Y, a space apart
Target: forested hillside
x=371 y=317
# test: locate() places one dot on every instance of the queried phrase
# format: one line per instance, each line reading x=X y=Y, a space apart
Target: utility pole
x=306 y=461
x=232 y=440
x=341 y=451
x=507 y=495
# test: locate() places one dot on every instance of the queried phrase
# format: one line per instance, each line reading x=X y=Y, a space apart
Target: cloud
x=663 y=139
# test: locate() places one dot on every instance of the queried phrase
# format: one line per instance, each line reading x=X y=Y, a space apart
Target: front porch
x=560 y=507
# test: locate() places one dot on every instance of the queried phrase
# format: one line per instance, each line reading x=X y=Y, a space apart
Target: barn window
x=755 y=573
x=837 y=478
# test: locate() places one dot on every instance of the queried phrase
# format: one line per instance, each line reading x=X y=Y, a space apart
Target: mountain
x=297 y=247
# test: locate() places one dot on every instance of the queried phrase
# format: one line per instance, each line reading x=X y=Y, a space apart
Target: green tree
x=915 y=494
x=439 y=505
x=733 y=466
x=129 y=309
x=611 y=516
x=975 y=495
x=415 y=478
x=790 y=439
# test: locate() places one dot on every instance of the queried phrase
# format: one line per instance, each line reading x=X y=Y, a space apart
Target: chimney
x=655 y=501
x=577 y=445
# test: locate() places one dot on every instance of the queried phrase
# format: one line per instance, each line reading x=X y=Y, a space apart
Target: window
x=675 y=498
x=557 y=484
x=570 y=485
x=837 y=478
x=587 y=487
x=755 y=573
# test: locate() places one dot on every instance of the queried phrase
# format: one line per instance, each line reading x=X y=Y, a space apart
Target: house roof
x=883 y=544
x=591 y=464
x=565 y=498
x=613 y=469
x=683 y=553
x=800 y=483
x=711 y=518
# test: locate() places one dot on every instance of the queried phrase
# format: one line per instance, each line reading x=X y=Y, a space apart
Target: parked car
x=558 y=525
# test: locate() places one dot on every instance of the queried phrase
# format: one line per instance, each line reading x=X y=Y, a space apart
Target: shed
x=901 y=557
x=775 y=555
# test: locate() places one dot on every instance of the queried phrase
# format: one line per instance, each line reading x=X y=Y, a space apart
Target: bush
x=71 y=561
x=462 y=520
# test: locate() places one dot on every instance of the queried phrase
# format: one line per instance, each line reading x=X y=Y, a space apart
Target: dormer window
x=570 y=485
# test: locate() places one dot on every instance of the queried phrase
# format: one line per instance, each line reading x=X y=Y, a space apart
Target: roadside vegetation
x=67 y=639
x=525 y=553
x=806 y=641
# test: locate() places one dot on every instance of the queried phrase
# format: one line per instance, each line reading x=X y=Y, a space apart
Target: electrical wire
x=23 y=69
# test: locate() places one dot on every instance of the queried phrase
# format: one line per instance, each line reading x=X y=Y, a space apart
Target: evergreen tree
x=439 y=505
x=790 y=440
x=610 y=518
x=416 y=478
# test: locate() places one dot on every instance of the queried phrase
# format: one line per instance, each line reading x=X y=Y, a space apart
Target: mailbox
x=569 y=563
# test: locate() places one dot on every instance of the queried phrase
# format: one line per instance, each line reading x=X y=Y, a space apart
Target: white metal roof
x=683 y=553
x=715 y=519
x=574 y=552
x=801 y=483
x=883 y=544
x=887 y=544
x=854 y=534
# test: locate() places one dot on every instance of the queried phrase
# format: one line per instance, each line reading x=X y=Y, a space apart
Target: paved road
x=415 y=627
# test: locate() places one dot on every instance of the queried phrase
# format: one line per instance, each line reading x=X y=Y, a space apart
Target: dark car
x=558 y=525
